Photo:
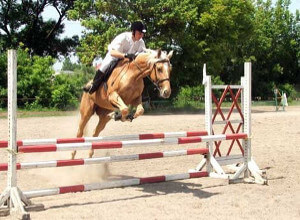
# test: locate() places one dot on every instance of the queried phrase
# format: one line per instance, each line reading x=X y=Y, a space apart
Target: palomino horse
x=124 y=88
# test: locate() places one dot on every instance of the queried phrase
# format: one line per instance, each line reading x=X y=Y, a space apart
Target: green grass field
x=157 y=107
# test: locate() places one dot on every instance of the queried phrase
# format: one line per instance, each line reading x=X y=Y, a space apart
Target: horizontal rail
x=112 y=184
x=231 y=121
x=130 y=143
x=225 y=86
x=99 y=160
x=143 y=136
x=231 y=159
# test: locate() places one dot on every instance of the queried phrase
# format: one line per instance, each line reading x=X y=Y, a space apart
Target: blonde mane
x=154 y=55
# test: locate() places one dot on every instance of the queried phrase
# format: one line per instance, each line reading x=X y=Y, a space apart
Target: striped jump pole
x=99 y=160
x=130 y=143
x=143 y=136
x=113 y=184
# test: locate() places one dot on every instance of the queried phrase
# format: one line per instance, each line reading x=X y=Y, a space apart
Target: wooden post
x=249 y=170
x=12 y=200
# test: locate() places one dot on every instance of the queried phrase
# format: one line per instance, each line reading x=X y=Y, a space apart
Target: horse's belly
x=101 y=99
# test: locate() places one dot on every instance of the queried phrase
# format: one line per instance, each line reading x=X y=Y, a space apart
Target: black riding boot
x=96 y=82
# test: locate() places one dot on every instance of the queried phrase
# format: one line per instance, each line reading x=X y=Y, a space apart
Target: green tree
x=274 y=46
x=199 y=31
x=39 y=87
x=21 y=21
x=34 y=79
x=68 y=65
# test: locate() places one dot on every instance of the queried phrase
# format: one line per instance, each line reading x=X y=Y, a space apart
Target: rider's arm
x=117 y=54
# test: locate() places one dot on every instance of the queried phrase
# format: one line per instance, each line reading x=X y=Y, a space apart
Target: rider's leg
x=102 y=74
x=91 y=88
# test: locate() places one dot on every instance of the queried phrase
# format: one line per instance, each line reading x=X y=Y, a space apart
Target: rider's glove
x=130 y=56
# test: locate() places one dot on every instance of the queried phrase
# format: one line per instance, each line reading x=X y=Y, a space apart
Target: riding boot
x=96 y=82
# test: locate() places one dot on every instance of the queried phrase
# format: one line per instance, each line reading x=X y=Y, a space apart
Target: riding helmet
x=138 y=26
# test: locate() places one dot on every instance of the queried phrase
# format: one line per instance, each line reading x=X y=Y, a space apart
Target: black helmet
x=138 y=26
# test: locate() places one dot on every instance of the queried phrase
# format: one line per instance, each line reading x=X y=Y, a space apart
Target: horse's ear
x=158 y=53
x=170 y=54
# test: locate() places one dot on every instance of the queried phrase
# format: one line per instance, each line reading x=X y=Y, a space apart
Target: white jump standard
x=12 y=197
x=248 y=170
x=13 y=200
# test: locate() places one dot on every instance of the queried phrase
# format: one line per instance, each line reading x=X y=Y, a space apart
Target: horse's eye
x=159 y=69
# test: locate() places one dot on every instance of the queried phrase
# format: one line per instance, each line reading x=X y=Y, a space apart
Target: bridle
x=157 y=82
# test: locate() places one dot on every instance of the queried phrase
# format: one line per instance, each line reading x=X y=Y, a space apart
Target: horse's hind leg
x=83 y=121
x=103 y=120
x=86 y=112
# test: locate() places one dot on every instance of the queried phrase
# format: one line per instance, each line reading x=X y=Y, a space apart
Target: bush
x=66 y=90
x=62 y=98
x=192 y=96
x=188 y=95
x=38 y=87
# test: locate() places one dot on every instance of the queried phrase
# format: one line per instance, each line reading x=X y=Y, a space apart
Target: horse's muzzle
x=165 y=93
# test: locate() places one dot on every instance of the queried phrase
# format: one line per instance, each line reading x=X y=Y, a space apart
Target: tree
x=222 y=33
x=274 y=46
x=21 y=21
x=34 y=78
x=68 y=65
x=38 y=86
x=199 y=31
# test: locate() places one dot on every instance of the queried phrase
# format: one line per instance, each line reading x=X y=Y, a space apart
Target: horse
x=124 y=88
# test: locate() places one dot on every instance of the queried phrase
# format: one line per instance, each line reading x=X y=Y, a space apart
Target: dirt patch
x=275 y=146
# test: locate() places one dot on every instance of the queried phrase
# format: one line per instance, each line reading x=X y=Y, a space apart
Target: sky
x=71 y=28
x=74 y=28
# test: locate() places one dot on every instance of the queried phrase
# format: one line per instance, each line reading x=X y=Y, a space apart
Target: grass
x=23 y=113
x=164 y=107
x=271 y=103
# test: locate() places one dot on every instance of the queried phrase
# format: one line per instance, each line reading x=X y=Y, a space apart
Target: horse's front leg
x=117 y=101
x=139 y=107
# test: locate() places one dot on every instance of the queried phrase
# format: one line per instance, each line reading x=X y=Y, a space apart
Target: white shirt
x=124 y=44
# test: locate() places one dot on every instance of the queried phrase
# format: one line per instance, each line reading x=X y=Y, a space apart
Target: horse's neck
x=143 y=69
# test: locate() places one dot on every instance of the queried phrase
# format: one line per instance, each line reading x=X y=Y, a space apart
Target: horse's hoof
x=117 y=116
x=73 y=156
x=130 y=117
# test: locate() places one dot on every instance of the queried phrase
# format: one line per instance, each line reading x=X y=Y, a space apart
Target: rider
x=125 y=45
